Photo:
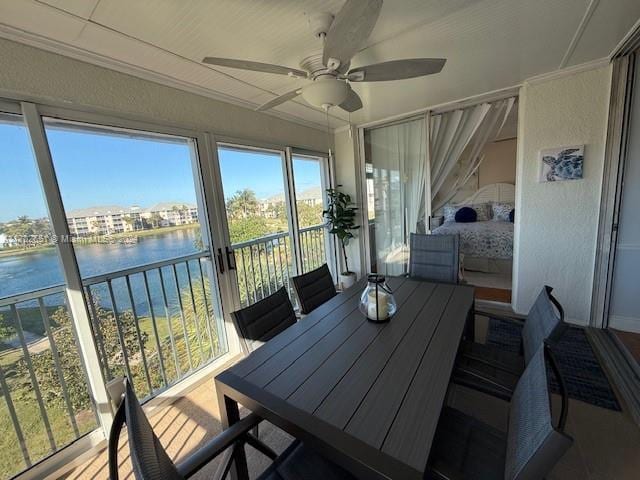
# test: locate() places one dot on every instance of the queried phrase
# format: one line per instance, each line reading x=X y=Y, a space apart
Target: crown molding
x=33 y=40
x=568 y=71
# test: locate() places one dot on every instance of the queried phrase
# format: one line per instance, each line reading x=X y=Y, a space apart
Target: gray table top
x=368 y=395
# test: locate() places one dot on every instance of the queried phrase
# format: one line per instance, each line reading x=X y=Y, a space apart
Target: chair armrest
x=504 y=318
x=215 y=446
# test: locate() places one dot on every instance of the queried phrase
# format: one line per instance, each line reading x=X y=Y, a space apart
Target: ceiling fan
x=343 y=36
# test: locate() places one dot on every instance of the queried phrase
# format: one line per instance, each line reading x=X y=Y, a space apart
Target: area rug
x=583 y=375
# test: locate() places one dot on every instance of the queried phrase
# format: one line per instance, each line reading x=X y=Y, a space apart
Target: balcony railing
x=47 y=404
x=266 y=264
x=155 y=323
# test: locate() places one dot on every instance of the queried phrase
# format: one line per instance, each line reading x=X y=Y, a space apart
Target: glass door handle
x=231 y=255
x=220 y=261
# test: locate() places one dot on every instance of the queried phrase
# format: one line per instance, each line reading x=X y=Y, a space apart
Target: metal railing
x=265 y=264
x=155 y=323
x=42 y=379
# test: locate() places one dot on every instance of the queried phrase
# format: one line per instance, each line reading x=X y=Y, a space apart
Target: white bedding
x=489 y=239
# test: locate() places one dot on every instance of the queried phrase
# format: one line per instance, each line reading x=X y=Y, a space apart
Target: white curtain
x=459 y=137
x=396 y=187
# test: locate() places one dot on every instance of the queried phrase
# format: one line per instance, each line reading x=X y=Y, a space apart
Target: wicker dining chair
x=263 y=320
x=151 y=462
x=466 y=448
x=493 y=370
x=434 y=257
x=314 y=288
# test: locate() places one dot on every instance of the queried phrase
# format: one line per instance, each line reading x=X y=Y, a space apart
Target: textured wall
x=31 y=73
x=556 y=222
x=499 y=164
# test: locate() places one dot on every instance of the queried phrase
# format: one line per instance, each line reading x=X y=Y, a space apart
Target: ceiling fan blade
x=396 y=70
x=352 y=103
x=350 y=29
x=254 y=66
x=285 y=97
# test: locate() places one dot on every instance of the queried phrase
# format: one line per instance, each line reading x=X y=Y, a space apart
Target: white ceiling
x=489 y=44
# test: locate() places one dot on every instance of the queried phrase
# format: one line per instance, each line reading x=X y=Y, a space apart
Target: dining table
x=365 y=395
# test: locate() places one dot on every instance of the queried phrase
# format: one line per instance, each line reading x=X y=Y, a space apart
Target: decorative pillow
x=466 y=215
x=512 y=215
x=482 y=211
x=449 y=212
x=501 y=211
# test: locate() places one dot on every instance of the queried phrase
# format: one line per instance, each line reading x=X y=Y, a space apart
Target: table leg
x=229 y=414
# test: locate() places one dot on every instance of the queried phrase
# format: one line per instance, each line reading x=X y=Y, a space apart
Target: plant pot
x=347 y=279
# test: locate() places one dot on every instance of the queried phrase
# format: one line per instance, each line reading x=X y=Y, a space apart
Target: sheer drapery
x=458 y=138
x=396 y=187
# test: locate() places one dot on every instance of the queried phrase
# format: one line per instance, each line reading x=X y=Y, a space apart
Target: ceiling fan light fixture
x=326 y=92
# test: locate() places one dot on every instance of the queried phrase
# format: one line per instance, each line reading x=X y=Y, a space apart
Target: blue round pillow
x=466 y=215
x=512 y=214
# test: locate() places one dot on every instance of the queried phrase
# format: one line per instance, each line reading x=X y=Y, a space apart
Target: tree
x=129 y=220
x=243 y=204
x=70 y=363
x=155 y=219
x=245 y=229
x=340 y=215
x=6 y=330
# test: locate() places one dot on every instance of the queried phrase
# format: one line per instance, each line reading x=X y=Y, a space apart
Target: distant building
x=311 y=196
x=110 y=219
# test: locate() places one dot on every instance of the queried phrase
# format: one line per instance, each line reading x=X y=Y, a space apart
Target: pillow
x=512 y=215
x=449 y=212
x=501 y=211
x=482 y=211
x=466 y=215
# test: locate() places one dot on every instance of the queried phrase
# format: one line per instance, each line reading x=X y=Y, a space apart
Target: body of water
x=32 y=271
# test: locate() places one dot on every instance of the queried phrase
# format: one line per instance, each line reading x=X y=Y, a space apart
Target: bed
x=485 y=246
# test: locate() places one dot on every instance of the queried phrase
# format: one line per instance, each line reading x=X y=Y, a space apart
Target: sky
x=95 y=169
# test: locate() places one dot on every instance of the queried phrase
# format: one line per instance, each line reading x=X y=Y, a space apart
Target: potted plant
x=340 y=215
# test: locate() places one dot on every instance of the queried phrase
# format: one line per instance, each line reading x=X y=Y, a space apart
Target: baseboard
x=626 y=324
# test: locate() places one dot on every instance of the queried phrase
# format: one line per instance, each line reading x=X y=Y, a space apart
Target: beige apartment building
x=110 y=219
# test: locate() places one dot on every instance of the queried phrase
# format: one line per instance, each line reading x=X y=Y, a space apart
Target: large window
x=46 y=401
x=131 y=205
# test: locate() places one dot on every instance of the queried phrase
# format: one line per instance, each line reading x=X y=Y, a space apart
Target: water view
x=27 y=271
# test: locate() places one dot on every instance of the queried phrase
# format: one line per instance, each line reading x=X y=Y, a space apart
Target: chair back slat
x=434 y=257
x=533 y=444
x=264 y=320
x=314 y=288
x=543 y=323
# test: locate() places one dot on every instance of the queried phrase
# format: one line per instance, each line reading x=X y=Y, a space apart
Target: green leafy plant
x=341 y=216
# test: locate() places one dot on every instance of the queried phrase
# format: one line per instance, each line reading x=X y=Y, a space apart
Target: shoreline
x=82 y=241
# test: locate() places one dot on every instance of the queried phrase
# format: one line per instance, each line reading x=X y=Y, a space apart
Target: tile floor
x=606 y=443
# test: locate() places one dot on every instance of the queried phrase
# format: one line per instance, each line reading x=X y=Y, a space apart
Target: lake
x=31 y=271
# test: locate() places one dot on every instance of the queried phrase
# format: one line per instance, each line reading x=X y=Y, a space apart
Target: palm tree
x=243 y=204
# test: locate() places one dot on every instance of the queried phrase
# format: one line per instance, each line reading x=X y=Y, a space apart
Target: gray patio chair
x=466 y=448
x=494 y=371
x=263 y=320
x=434 y=257
x=314 y=288
x=151 y=462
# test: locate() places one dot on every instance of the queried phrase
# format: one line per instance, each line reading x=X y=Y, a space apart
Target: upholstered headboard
x=495 y=192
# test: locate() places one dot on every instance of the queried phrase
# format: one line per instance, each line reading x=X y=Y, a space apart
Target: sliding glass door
x=273 y=202
x=132 y=206
x=310 y=182
x=395 y=174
